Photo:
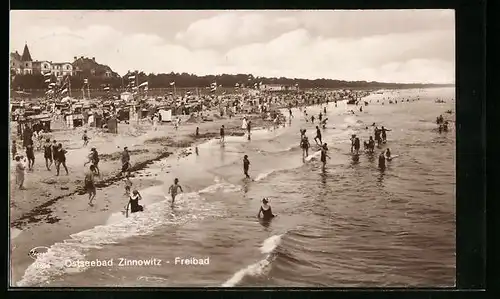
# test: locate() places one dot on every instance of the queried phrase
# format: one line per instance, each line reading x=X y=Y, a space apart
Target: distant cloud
x=291 y=45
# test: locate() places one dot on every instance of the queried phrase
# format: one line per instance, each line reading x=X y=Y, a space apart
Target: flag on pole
x=172 y=83
x=144 y=84
x=131 y=77
x=106 y=88
x=85 y=81
x=47 y=81
x=64 y=90
x=134 y=88
x=146 y=88
x=47 y=74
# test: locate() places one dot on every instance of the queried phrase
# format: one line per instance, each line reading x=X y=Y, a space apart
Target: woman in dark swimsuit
x=265 y=210
x=134 y=202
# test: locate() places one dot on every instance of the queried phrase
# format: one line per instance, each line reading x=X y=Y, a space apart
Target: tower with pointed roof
x=27 y=61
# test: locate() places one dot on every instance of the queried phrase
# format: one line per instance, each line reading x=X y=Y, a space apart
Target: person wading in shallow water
x=133 y=203
x=305 y=145
x=246 y=166
x=222 y=134
x=324 y=154
x=90 y=184
x=174 y=189
x=265 y=210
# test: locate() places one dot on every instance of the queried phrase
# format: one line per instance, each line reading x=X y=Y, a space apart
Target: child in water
x=265 y=210
x=173 y=190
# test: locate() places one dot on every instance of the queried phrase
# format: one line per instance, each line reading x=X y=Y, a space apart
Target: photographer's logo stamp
x=37 y=251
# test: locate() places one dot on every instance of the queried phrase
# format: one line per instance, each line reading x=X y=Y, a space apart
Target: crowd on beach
x=266 y=105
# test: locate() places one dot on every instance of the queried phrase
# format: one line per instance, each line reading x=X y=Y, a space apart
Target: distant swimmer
x=356 y=145
x=246 y=166
x=324 y=154
x=304 y=145
x=388 y=153
x=290 y=113
x=174 y=189
x=90 y=184
x=377 y=132
x=370 y=145
x=222 y=139
x=353 y=137
x=381 y=161
x=312 y=119
x=265 y=210
x=318 y=136
x=324 y=110
x=384 y=134
x=302 y=133
x=320 y=117
x=133 y=203
x=445 y=126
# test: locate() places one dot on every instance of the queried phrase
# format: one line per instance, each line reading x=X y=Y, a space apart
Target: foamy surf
x=55 y=261
x=262 y=176
x=220 y=186
x=259 y=268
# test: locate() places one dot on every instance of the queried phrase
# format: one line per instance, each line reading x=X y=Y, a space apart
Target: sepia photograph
x=222 y=148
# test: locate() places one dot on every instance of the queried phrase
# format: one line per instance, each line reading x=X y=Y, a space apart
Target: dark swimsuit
x=266 y=214
x=134 y=205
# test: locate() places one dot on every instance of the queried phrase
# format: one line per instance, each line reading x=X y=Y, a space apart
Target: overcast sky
x=389 y=46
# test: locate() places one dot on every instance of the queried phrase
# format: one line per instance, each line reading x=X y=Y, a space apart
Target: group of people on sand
x=54 y=153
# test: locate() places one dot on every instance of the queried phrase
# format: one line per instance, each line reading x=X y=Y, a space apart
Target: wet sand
x=54 y=207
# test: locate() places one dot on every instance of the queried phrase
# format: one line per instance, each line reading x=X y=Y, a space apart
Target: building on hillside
x=21 y=65
x=25 y=65
x=85 y=67
x=55 y=68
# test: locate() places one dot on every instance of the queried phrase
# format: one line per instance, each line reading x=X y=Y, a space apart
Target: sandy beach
x=59 y=200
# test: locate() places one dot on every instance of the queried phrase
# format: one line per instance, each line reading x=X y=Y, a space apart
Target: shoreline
x=158 y=146
x=70 y=209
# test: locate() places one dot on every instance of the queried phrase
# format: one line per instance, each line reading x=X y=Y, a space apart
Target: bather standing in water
x=381 y=161
x=265 y=210
x=173 y=190
x=134 y=202
x=246 y=166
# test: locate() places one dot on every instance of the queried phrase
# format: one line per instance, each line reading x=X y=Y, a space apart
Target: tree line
x=185 y=80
